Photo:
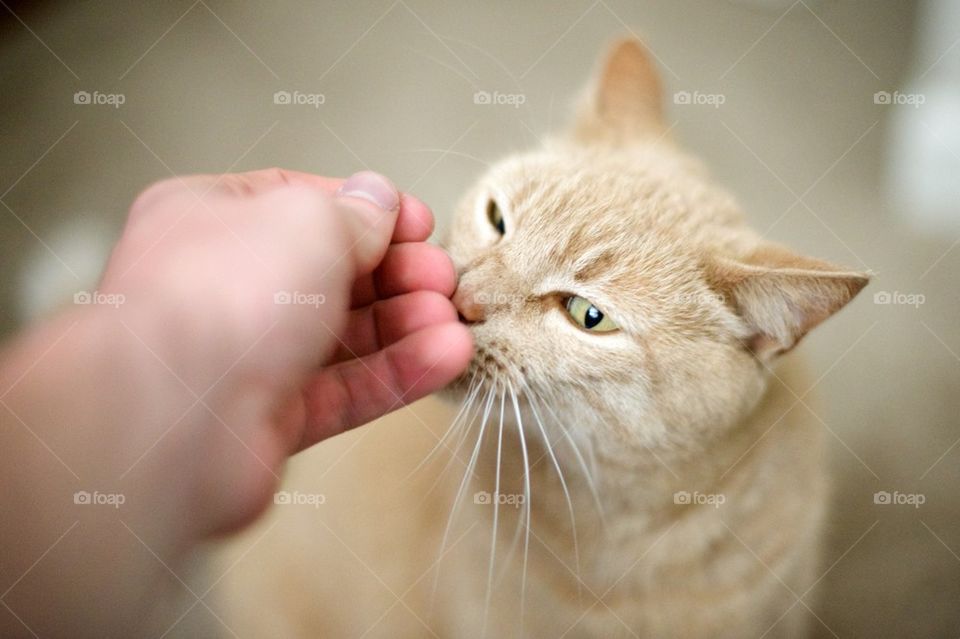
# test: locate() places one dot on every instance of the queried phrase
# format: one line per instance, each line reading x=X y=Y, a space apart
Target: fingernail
x=372 y=187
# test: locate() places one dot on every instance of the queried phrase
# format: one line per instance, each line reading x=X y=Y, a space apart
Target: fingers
x=410 y=267
x=369 y=205
x=388 y=321
x=414 y=222
x=360 y=390
x=407 y=267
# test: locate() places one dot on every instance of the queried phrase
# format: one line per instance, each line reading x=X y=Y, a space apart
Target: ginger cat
x=633 y=461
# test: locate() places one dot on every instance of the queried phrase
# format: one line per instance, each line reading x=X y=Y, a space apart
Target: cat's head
x=606 y=275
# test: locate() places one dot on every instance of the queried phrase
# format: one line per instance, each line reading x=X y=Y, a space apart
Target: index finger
x=414 y=221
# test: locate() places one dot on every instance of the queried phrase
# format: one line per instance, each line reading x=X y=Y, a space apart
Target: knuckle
x=151 y=195
x=309 y=213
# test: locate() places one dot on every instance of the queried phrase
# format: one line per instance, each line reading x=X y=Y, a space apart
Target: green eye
x=496 y=217
x=589 y=316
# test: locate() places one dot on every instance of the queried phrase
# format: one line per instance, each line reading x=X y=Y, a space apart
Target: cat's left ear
x=781 y=295
x=624 y=104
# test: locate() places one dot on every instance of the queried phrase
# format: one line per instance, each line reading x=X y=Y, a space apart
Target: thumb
x=369 y=204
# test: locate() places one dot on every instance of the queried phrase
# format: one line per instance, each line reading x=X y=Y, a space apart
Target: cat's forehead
x=629 y=204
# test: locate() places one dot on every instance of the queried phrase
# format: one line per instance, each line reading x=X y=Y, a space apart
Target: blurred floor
x=798 y=138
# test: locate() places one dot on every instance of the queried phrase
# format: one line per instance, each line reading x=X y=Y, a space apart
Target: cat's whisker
x=593 y=456
x=513 y=548
x=496 y=517
x=591 y=484
x=467 y=475
x=462 y=423
x=472 y=389
x=526 y=499
x=455 y=454
x=589 y=469
x=566 y=492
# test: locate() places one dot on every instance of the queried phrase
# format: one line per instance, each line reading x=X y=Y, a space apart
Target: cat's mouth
x=488 y=363
x=490 y=367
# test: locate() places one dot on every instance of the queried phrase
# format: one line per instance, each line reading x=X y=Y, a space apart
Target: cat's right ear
x=624 y=103
x=780 y=295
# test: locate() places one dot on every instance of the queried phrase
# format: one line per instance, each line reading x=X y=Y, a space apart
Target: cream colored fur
x=692 y=396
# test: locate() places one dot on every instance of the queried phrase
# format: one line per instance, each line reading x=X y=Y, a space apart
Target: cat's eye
x=496 y=216
x=588 y=316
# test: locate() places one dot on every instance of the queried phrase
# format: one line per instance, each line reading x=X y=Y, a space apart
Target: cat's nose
x=469 y=309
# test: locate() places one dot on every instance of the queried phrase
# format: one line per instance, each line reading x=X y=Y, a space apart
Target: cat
x=634 y=458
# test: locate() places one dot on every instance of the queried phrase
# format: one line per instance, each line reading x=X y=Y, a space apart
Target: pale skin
x=189 y=395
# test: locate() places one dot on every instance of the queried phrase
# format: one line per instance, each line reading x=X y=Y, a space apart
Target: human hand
x=292 y=305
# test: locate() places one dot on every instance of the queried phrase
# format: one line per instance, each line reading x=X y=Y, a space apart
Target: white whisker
x=472 y=390
x=496 y=516
x=527 y=500
x=467 y=475
x=563 y=484
x=583 y=464
x=454 y=456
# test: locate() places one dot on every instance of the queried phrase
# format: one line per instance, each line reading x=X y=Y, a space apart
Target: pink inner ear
x=624 y=104
x=629 y=89
x=782 y=296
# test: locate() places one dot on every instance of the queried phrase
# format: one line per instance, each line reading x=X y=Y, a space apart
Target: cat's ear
x=624 y=102
x=781 y=295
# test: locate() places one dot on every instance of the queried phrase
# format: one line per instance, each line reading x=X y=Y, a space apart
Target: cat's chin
x=455 y=391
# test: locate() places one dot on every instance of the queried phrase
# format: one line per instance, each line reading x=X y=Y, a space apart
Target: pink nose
x=466 y=304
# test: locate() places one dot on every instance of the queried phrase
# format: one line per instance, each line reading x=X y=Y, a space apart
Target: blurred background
x=836 y=123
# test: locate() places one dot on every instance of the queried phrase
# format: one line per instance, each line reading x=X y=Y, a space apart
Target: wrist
x=93 y=385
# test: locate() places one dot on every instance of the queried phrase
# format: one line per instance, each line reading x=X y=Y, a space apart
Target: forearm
x=96 y=473
x=129 y=433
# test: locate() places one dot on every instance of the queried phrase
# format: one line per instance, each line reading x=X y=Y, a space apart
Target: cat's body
x=670 y=410
x=675 y=570
x=658 y=568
